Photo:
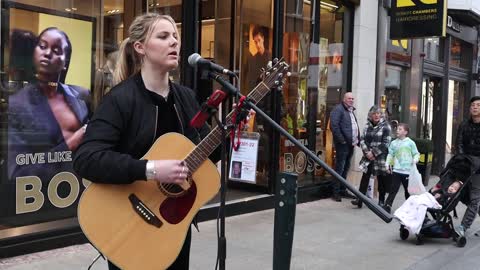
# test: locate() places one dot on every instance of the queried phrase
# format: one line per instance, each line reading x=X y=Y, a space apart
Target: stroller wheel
x=461 y=241
x=403 y=233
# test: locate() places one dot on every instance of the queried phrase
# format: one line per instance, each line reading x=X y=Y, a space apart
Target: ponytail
x=128 y=62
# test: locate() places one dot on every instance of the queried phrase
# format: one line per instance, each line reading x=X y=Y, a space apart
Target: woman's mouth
x=44 y=62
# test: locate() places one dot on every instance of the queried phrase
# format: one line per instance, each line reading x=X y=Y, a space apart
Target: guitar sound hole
x=172 y=188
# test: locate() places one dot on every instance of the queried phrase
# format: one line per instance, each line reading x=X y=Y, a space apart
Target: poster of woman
x=48 y=113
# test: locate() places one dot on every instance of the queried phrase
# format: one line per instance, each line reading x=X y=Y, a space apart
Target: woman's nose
x=47 y=52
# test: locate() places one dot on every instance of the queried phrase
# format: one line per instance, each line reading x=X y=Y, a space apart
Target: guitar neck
x=203 y=150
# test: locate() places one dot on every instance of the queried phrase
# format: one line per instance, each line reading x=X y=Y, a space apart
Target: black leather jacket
x=468 y=138
x=123 y=128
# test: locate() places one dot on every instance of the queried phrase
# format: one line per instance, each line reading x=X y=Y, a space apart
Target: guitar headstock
x=275 y=74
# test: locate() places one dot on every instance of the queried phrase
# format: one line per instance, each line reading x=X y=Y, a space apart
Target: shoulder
x=338 y=108
x=79 y=91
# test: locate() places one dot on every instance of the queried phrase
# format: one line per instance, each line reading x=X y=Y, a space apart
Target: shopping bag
x=371 y=186
x=415 y=184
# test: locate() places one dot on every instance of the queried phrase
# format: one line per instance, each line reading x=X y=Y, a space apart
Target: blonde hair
x=129 y=61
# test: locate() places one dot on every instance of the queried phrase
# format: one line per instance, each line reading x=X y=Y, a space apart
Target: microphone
x=196 y=59
x=212 y=103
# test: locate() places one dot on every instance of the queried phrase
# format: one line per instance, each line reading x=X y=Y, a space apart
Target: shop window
x=61 y=49
x=455 y=114
x=315 y=86
x=433 y=49
x=460 y=53
x=394 y=84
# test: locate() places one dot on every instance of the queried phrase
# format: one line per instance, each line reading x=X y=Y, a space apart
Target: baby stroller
x=438 y=223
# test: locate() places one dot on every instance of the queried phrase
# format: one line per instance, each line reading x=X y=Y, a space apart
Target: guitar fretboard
x=214 y=138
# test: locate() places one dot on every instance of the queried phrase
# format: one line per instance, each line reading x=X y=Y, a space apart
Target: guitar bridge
x=142 y=210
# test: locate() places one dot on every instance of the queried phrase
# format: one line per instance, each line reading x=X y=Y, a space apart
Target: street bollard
x=284 y=223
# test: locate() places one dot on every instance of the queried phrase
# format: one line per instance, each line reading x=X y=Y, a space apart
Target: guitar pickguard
x=175 y=209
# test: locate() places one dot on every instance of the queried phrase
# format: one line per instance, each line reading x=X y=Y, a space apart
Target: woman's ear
x=139 y=47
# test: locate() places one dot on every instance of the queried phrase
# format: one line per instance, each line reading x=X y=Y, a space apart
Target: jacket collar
x=346 y=107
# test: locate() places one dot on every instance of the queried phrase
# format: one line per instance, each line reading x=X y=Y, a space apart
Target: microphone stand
x=222 y=240
x=380 y=212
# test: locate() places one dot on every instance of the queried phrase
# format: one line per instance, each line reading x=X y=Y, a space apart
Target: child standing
x=402 y=155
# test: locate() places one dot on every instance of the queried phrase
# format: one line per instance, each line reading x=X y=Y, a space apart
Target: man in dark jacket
x=346 y=135
x=468 y=142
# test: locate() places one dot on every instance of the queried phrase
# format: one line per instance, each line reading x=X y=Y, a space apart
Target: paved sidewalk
x=328 y=235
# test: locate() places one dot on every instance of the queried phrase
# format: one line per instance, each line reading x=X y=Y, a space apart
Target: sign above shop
x=418 y=18
x=453 y=24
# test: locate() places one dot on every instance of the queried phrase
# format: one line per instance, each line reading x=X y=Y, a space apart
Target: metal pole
x=284 y=224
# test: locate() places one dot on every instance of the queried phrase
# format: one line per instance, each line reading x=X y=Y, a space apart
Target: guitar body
x=109 y=220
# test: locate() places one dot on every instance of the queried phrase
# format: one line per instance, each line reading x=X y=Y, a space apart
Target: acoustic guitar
x=143 y=225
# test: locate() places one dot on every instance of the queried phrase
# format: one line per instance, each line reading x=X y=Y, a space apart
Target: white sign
x=243 y=162
x=472 y=5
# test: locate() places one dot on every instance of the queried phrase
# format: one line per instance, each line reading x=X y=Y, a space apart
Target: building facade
x=332 y=47
x=40 y=191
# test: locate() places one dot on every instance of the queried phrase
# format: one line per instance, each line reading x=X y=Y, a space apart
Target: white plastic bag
x=415 y=184
x=371 y=186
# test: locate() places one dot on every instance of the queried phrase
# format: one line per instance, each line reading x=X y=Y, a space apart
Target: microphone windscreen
x=193 y=59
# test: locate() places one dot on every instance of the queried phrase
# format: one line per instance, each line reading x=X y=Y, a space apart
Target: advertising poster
x=256 y=54
x=50 y=69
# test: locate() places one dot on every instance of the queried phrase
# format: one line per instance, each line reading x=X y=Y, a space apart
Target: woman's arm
x=97 y=158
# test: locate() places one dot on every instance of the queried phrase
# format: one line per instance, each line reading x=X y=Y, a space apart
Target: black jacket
x=468 y=138
x=123 y=129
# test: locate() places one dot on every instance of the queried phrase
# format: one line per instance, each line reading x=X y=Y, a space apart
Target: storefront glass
x=56 y=57
x=394 y=92
x=455 y=115
x=433 y=49
x=460 y=54
x=314 y=87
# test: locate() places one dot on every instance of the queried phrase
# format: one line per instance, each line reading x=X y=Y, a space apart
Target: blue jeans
x=343 y=156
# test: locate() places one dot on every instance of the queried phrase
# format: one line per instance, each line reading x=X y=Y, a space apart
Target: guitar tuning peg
x=289 y=74
x=269 y=65
x=277 y=82
x=275 y=61
x=280 y=88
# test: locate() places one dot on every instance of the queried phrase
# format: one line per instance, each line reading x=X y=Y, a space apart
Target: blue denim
x=343 y=156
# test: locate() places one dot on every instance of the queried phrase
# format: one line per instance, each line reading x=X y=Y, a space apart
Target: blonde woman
x=143 y=105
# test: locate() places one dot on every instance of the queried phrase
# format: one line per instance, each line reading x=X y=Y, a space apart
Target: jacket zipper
x=179 y=119
x=156 y=124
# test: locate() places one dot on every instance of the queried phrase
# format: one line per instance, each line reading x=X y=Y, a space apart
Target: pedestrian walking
x=468 y=142
x=402 y=155
x=374 y=142
x=346 y=135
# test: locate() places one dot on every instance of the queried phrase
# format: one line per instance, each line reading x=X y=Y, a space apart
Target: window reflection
x=315 y=85
x=433 y=49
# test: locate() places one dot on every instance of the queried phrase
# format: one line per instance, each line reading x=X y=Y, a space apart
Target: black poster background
x=421 y=20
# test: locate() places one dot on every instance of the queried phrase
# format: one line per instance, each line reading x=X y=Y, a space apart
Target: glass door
x=456 y=108
x=429 y=87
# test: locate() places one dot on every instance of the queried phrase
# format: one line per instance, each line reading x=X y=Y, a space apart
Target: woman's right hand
x=170 y=171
